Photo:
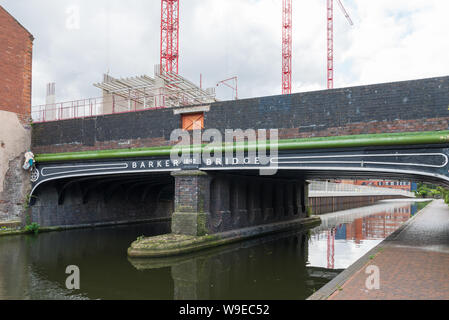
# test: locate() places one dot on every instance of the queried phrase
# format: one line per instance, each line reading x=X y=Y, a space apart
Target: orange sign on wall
x=193 y=121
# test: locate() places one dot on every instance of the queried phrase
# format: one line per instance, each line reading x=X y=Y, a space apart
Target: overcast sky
x=391 y=40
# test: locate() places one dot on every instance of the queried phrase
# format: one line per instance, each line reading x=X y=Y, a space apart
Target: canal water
x=291 y=265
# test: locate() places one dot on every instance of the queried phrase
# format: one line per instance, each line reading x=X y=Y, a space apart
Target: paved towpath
x=413 y=263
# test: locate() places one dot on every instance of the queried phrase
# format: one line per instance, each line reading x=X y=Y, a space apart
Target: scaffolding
x=165 y=90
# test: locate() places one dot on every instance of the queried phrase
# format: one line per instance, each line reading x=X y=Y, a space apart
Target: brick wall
x=16 y=47
x=408 y=106
x=212 y=203
x=93 y=203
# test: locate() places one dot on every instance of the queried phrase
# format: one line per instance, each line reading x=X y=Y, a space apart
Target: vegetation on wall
x=430 y=191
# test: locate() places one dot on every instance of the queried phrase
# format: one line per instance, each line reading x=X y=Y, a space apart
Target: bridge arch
x=143 y=177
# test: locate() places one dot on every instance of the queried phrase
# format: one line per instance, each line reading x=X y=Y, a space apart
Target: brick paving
x=413 y=264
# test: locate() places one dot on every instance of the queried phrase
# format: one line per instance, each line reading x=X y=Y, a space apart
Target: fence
x=322 y=188
x=111 y=104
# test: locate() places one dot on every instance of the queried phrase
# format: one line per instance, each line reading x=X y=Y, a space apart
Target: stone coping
x=172 y=244
x=21 y=231
x=187 y=110
x=173 y=261
x=10 y=224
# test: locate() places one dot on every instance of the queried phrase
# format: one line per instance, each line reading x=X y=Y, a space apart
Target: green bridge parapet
x=353 y=141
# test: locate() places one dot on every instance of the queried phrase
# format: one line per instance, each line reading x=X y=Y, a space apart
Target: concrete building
x=16 y=46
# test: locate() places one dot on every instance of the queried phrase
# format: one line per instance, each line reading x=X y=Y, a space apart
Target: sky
x=77 y=41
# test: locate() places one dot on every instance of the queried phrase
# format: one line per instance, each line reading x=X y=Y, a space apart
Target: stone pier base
x=173 y=244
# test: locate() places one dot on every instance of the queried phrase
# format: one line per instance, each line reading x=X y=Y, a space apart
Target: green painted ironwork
x=384 y=139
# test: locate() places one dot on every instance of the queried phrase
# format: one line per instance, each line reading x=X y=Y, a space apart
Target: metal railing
x=319 y=188
x=92 y=107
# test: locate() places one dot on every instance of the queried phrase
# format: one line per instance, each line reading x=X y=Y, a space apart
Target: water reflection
x=273 y=267
x=291 y=265
x=345 y=236
x=99 y=253
x=14 y=262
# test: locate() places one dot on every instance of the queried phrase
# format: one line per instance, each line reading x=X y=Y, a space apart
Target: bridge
x=325 y=188
x=122 y=167
x=325 y=197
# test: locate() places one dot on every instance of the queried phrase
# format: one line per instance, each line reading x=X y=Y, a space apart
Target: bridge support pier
x=212 y=209
x=192 y=203
x=208 y=204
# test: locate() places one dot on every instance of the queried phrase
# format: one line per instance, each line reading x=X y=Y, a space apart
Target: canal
x=291 y=265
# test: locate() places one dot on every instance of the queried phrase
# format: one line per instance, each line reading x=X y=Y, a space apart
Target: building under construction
x=164 y=90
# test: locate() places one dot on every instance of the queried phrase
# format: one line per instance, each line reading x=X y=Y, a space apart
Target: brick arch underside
x=103 y=200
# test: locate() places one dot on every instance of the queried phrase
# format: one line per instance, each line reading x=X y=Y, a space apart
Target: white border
x=275 y=160
x=104 y=167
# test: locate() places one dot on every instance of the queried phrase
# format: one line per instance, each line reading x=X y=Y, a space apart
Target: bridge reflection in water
x=289 y=265
x=345 y=236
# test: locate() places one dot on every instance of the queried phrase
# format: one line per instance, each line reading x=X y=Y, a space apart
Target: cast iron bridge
x=421 y=156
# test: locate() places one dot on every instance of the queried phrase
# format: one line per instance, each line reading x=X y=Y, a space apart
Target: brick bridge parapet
x=407 y=106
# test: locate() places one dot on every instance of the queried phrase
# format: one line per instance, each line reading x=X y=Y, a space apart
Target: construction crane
x=234 y=88
x=330 y=39
x=286 y=46
x=169 y=36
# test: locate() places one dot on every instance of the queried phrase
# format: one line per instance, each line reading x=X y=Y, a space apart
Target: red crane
x=234 y=89
x=330 y=39
x=169 y=35
x=286 y=46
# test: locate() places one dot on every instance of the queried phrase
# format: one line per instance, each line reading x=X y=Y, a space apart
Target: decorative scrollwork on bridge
x=428 y=162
